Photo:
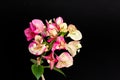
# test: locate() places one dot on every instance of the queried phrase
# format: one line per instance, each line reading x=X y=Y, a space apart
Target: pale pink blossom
x=51 y=60
x=52 y=30
x=52 y=25
x=59 y=20
x=37 y=26
x=38 y=39
x=44 y=33
x=73 y=47
x=59 y=44
x=53 y=33
x=36 y=48
x=29 y=34
x=64 y=60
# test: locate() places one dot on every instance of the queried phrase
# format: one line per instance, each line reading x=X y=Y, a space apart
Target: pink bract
x=59 y=44
x=29 y=34
x=55 y=46
x=51 y=26
x=37 y=26
x=59 y=20
x=51 y=60
x=51 y=39
x=60 y=39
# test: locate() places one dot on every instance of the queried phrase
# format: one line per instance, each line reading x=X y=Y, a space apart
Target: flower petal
x=37 y=26
x=59 y=20
x=51 y=60
x=29 y=34
x=52 y=30
x=63 y=27
x=59 y=44
x=71 y=49
x=55 y=46
x=38 y=39
x=76 y=44
x=64 y=60
x=36 y=49
x=76 y=35
x=71 y=28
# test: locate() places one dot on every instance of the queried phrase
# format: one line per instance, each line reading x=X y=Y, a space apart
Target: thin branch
x=43 y=78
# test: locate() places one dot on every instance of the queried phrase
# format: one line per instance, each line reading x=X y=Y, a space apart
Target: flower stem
x=43 y=78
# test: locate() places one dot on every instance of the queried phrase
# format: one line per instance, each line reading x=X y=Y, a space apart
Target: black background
x=98 y=20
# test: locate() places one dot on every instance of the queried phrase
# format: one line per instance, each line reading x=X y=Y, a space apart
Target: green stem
x=46 y=66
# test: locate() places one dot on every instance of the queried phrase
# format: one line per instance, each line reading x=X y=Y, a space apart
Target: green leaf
x=45 y=42
x=33 y=61
x=62 y=34
x=59 y=70
x=37 y=70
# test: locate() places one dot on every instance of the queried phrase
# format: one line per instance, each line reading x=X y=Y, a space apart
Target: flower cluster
x=45 y=39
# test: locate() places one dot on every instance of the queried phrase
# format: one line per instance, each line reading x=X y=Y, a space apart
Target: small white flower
x=75 y=35
x=63 y=27
x=73 y=47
